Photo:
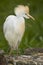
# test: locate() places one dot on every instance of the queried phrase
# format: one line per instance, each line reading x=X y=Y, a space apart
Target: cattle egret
x=14 y=26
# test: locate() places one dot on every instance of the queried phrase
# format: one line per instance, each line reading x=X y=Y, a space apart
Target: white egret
x=14 y=26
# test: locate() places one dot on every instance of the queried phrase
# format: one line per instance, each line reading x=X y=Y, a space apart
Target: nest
x=30 y=59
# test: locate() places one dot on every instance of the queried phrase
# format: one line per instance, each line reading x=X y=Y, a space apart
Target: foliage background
x=33 y=36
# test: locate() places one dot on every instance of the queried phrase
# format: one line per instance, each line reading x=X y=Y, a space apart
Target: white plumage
x=14 y=26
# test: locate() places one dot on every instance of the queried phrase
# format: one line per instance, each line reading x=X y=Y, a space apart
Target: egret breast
x=20 y=26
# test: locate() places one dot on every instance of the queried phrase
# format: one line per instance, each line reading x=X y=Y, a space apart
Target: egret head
x=23 y=11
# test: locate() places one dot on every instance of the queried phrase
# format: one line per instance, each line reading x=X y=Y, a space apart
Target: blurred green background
x=33 y=36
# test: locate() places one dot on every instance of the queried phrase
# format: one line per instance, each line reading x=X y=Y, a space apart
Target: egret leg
x=10 y=53
x=17 y=52
x=17 y=49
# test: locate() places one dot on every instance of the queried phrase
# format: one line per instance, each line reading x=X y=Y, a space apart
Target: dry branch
x=32 y=59
x=27 y=59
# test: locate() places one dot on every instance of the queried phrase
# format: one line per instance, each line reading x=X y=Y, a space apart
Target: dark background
x=33 y=36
